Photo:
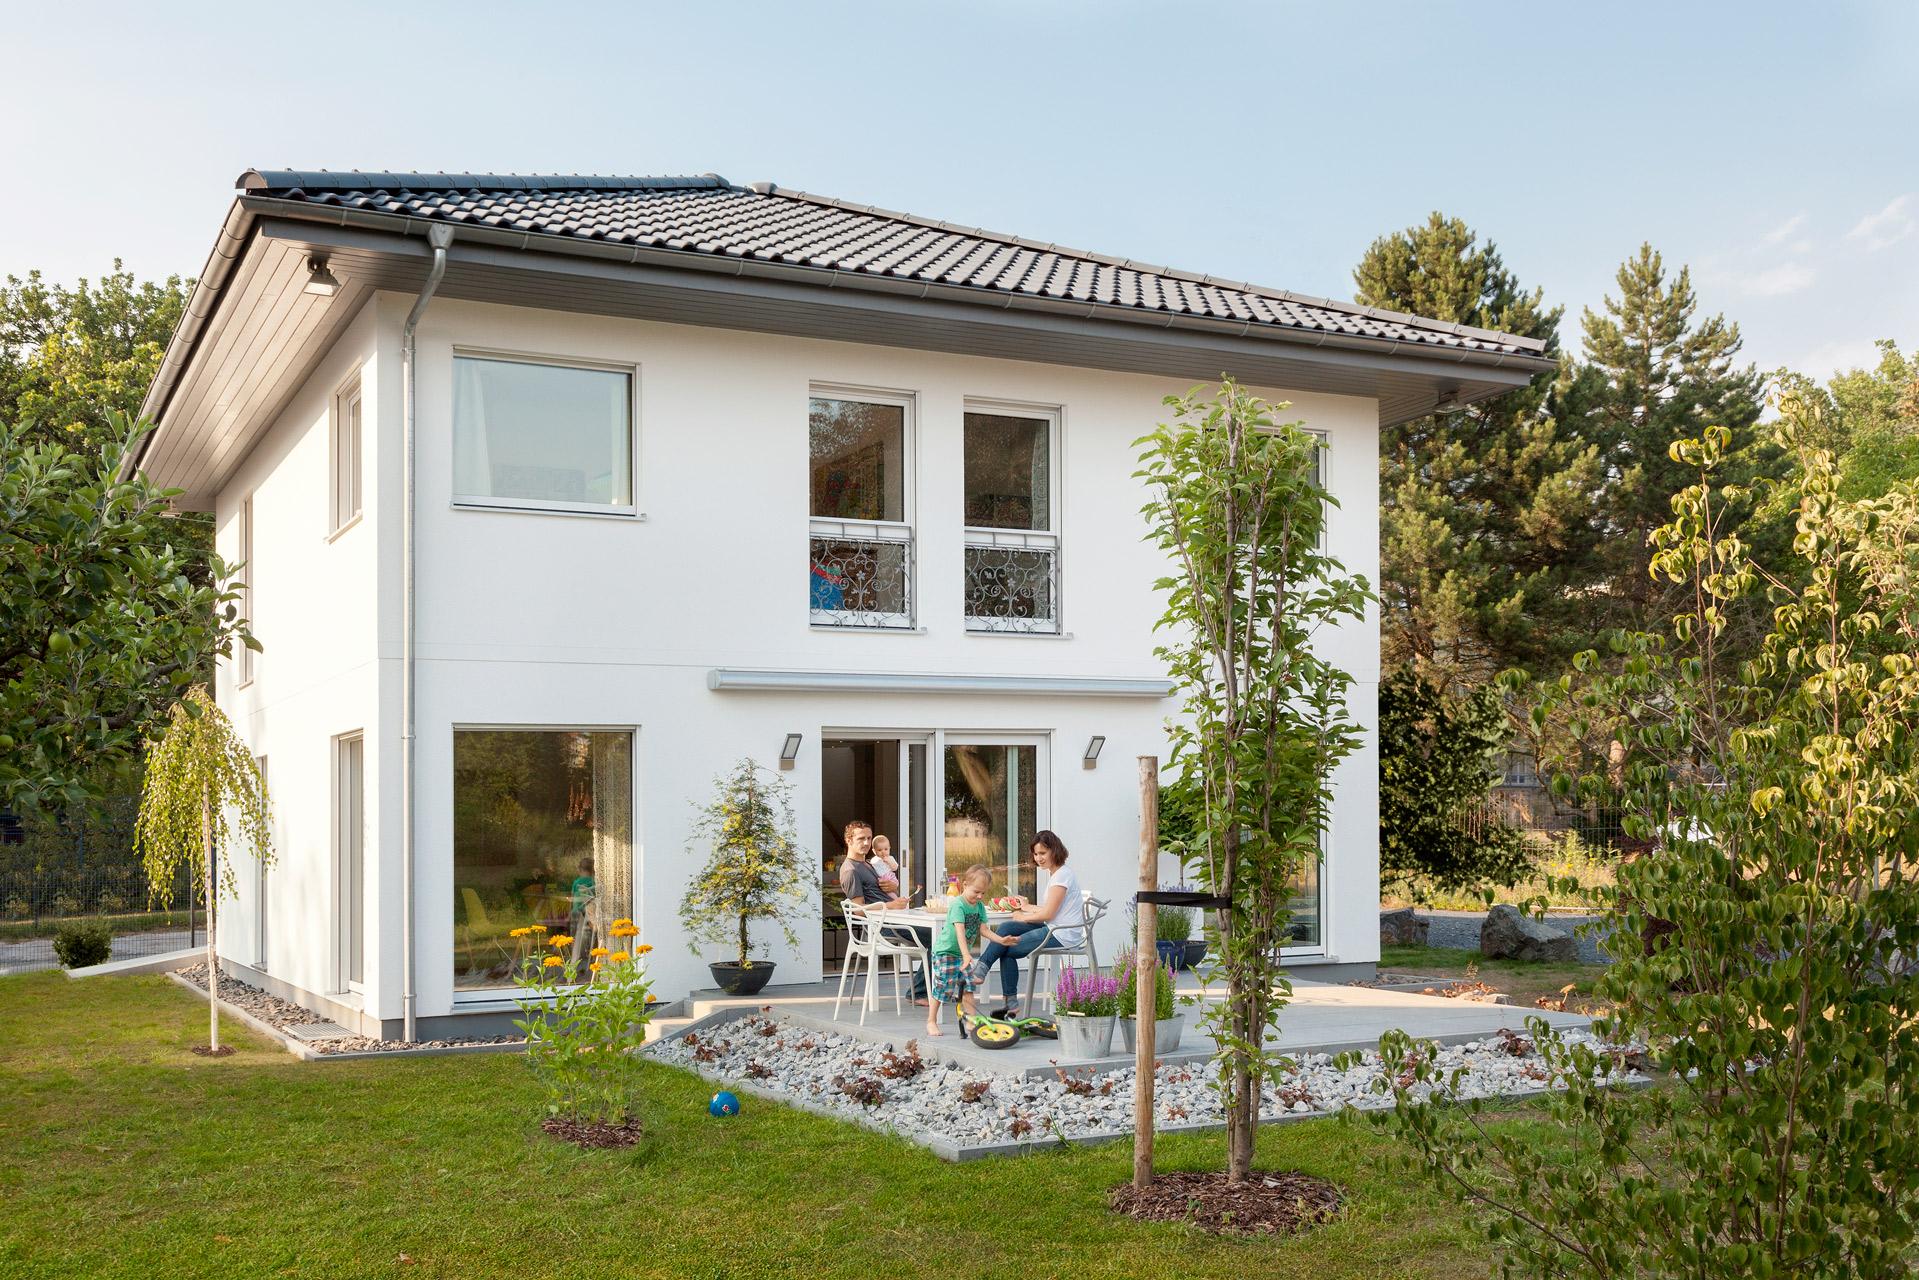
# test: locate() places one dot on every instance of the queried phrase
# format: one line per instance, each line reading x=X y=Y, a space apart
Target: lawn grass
x=1524 y=981
x=123 y=1154
x=124 y=923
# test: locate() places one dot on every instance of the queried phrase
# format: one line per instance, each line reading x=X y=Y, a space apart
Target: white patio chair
x=866 y=939
x=1093 y=909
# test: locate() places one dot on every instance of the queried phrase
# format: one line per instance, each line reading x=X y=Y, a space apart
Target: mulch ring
x=1267 y=1203
x=208 y=1051
x=583 y=1133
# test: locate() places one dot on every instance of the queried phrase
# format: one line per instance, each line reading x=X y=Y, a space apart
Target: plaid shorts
x=949 y=978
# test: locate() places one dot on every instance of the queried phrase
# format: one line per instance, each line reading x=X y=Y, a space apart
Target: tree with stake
x=1237 y=505
x=203 y=792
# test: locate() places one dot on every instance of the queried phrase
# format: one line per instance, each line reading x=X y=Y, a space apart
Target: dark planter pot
x=1172 y=954
x=1195 y=952
x=736 y=981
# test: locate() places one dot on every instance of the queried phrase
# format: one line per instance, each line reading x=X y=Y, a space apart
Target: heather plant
x=1127 y=976
x=1086 y=992
x=1238 y=508
x=1778 y=911
x=584 y=1018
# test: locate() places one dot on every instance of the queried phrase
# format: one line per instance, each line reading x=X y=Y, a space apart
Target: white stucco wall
x=584 y=621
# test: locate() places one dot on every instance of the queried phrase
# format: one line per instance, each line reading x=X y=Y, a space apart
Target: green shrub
x=83 y=942
x=1173 y=924
x=1129 y=989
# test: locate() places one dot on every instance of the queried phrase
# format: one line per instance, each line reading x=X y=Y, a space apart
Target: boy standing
x=955 y=945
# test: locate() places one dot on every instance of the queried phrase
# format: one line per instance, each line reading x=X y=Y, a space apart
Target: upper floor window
x=346 y=456
x=1011 y=512
x=860 y=534
x=542 y=436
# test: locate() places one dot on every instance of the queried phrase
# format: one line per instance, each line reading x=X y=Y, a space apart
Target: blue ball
x=723 y=1104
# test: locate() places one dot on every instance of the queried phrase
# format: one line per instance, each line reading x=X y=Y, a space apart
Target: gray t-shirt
x=861 y=883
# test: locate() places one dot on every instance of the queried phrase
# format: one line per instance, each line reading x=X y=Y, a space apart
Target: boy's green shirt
x=972 y=915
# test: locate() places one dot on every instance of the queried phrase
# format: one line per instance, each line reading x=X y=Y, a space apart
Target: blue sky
x=1775 y=148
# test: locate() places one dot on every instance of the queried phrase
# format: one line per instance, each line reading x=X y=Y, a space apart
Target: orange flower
x=642 y=949
x=553 y=962
x=597 y=951
x=558 y=941
x=536 y=928
x=619 y=957
x=595 y=966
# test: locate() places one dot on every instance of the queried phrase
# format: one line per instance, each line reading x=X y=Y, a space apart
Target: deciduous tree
x=107 y=613
x=1236 y=504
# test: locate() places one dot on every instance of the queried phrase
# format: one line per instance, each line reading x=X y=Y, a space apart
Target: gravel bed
x=859 y=1078
x=282 y=1014
x=1459 y=930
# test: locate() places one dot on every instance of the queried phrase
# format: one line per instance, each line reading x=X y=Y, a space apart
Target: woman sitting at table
x=1059 y=917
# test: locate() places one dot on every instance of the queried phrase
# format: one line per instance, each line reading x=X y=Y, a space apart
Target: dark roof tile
x=705 y=214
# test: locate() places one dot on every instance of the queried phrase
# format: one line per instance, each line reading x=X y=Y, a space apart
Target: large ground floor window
x=542 y=834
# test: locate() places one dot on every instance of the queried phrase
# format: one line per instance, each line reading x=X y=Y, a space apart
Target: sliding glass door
x=992 y=809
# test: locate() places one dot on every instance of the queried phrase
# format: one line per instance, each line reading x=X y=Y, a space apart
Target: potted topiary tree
x=754 y=872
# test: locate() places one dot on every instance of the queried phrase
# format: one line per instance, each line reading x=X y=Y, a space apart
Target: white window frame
x=1050 y=539
x=629 y=510
x=477 y=999
x=243 y=664
x=343 y=980
x=901 y=532
x=347 y=485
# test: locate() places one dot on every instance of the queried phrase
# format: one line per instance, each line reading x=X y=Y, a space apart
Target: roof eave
x=573 y=246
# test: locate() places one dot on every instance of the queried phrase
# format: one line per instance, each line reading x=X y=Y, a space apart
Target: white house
x=559 y=495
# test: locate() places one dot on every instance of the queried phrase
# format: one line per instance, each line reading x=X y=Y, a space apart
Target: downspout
x=440 y=236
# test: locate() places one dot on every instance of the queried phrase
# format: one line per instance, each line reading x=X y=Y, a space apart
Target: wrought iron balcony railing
x=1012 y=580
x=861 y=574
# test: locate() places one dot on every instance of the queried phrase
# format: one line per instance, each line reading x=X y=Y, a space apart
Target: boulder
x=1402 y=928
x=1508 y=934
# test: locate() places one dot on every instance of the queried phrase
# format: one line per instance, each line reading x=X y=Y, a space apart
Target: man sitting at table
x=860 y=882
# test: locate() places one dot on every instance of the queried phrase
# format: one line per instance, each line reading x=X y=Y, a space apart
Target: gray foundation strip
x=307 y=1053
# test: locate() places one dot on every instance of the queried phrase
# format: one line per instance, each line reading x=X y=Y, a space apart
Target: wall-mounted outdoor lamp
x=790 y=751
x=1093 y=748
x=321 y=283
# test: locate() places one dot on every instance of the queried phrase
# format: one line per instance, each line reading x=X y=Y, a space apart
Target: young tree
x=1237 y=506
x=1438 y=755
x=1779 y=993
x=106 y=613
x=1488 y=525
x=203 y=794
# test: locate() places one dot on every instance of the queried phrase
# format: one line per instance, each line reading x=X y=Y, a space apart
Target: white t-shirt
x=1069 y=922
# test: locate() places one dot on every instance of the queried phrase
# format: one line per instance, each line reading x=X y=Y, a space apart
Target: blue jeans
x=1028 y=936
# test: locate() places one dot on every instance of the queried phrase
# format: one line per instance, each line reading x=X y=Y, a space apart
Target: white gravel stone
x=795 y=1061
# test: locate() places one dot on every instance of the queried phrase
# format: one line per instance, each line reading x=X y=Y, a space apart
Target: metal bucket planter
x=1083 y=1037
x=1165 y=1033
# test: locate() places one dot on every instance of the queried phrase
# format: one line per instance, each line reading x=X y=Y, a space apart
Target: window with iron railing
x=1012 y=546
x=860 y=535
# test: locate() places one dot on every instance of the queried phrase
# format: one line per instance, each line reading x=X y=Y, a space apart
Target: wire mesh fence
x=56 y=872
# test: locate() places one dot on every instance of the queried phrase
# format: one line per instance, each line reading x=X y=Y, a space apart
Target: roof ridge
x=1171 y=273
x=351 y=179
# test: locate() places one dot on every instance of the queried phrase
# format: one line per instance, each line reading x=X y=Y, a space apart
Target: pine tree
x=1653 y=375
x=1488 y=531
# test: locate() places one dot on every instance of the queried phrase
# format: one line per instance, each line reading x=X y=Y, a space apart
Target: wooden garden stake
x=1145 y=977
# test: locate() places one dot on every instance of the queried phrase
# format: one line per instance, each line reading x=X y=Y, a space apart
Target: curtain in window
x=612 y=832
x=472 y=464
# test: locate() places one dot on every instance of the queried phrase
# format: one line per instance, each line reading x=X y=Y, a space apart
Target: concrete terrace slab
x=1322 y=1018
